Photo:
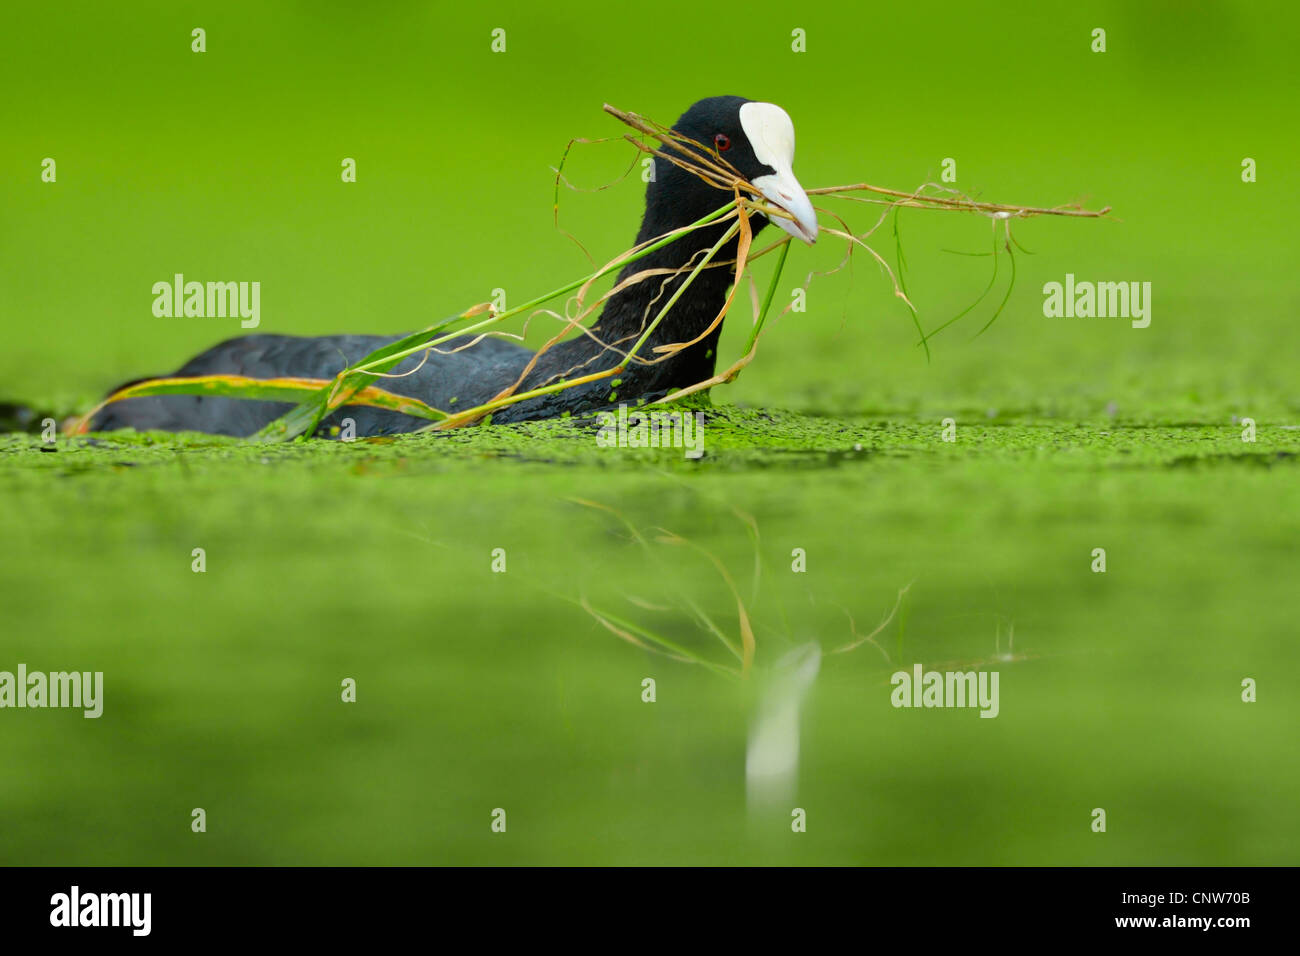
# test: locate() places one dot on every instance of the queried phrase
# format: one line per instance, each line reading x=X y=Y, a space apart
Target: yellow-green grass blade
x=286 y=389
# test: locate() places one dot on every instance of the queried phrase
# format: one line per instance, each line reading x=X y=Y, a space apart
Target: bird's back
x=457 y=375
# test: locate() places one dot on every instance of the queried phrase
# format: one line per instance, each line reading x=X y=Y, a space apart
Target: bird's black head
x=755 y=138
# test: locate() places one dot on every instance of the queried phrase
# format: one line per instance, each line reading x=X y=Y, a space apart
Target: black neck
x=629 y=313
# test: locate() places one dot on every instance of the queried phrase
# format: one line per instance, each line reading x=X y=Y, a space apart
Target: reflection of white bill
x=772 y=760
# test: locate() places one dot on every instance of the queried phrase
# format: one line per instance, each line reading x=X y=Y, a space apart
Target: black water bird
x=757 y=139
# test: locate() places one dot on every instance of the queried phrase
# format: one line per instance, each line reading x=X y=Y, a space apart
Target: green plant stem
x=767 y=300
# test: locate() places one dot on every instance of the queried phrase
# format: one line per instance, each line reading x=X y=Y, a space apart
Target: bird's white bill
x=784 y=191
x=771 y=136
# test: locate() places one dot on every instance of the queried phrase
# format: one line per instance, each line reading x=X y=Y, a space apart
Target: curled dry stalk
x=354 y=384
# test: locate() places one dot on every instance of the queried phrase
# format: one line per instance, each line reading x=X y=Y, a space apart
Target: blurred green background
x=481 y=690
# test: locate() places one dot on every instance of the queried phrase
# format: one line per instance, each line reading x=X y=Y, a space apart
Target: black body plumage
x=458 y=379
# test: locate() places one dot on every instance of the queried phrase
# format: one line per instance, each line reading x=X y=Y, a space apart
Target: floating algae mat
x=329 y=561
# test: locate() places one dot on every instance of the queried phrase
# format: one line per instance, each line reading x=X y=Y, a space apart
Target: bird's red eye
x=723 y=142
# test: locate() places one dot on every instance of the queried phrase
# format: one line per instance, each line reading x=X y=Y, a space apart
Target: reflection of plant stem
x=742 y=615
x=638 y=636
x=745 y=651
x=870 y=638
